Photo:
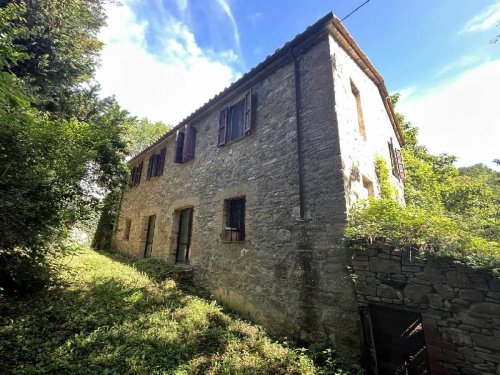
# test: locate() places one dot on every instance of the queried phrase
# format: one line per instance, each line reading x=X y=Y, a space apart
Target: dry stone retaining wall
x=460 y=306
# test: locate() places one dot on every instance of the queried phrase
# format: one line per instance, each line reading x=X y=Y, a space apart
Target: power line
x=355 y=10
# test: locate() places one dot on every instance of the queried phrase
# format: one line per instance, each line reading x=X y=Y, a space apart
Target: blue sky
x=165 y=58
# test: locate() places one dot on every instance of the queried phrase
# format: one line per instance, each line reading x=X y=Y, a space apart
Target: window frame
x=225 y=120
x=359 y=110
x=234 y=234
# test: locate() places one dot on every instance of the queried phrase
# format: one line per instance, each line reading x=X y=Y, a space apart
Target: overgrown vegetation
x=106 y=316
x=449 y=211
x=62 y=146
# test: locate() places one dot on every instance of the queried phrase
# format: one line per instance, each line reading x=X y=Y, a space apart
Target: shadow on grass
x=108 y=328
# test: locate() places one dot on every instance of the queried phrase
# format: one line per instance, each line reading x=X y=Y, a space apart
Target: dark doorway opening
x=149 y=236
x=184 y=236
x=395 y=341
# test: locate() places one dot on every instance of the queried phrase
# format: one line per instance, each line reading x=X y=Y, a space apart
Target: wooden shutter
x=179 y=144
x=150 y=167
x=248 y=112
x=223 y=126
x=132 y=177
x=189 y=143
x=394 y=163
x=161 y=162
x=401 y=168
x=138 y=173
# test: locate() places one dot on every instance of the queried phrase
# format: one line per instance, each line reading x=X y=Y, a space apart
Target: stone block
x=487 y=342
x=384 y=265
x=417 y=293
x=458 y=279
x=445 y=291
x=471 y=295
x=473 y=321
x=433 y=277
x=457 y=336
x=385 y=291
x=486 y=309
x=435 y=300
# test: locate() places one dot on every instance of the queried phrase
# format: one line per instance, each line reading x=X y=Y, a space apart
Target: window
x=368 y=185
x=234 y=220
x=398 y=169
x=126 y=230
x=184 y=145
x=135 y=175
x=235 y=121
x=156 y=164
x=361 y=121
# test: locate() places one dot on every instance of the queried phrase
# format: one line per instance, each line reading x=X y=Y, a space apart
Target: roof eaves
x=241 y=81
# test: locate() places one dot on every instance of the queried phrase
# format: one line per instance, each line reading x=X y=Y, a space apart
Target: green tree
x=140 y=133
x=60 y=41
x=55 y=160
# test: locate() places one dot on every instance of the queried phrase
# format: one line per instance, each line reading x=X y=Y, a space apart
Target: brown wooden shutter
x=394 y=163
x=179 y=145
x=132 y=177
x=223 y=126
x=248 y=111
x=138 y=173
x=401 y=168
x=150 y=167
x=189 y=144
x=161 y=161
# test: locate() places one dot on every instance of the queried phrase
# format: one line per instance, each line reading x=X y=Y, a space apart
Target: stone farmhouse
x=252 y=190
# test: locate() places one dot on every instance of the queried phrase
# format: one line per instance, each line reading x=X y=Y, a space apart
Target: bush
x=386 y=221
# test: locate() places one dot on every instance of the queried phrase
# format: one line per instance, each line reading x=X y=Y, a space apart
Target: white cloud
x=167 y=85
x=227 y=10
x=484 y=20
x=461 y=118
x=460 y=64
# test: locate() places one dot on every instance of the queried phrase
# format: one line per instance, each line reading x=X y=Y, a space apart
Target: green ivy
x=387 y=190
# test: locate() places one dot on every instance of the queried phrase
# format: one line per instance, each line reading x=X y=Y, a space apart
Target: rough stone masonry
x=459 y=305
x=319 y=115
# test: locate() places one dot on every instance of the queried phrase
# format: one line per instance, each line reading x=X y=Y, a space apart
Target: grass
x=108 y=315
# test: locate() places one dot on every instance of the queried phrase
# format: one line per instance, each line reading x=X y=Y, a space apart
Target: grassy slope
x=105 y=316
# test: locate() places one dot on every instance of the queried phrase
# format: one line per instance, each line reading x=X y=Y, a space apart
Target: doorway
x=395 y=341
x=184 y=236
x=148 y=248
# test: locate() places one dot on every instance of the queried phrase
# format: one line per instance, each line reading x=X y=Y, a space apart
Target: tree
x=58 y=153
x=140 y=133
x=60 y=41
x=467 y=195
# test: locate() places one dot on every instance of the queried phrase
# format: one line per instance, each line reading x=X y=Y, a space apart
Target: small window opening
x=361 y=121
x=126 y=229
x=368 y=185
x=234 y=210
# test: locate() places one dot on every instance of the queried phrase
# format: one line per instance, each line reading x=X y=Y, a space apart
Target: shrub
x=386 y=221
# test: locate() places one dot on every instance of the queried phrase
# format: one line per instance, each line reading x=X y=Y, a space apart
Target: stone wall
x=290 y=274
x=358 y=154
x=460 y=306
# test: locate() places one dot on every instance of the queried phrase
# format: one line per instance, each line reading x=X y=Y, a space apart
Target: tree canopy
x=62 y=145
